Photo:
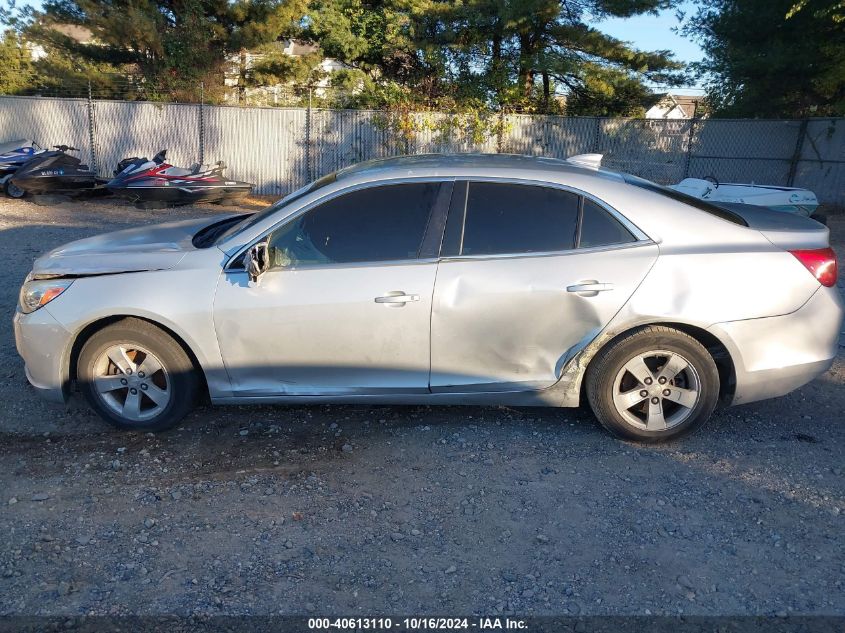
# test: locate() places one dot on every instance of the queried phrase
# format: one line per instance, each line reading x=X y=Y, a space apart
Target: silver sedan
x=468 y=279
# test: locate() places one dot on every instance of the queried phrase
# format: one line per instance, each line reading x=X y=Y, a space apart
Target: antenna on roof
x=591 y=161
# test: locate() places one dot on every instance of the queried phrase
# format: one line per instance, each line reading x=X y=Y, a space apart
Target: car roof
x=471 y=164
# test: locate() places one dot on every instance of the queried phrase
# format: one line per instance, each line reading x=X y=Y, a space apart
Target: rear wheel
x=655 y=384
x=13 y=191
x=137 y=377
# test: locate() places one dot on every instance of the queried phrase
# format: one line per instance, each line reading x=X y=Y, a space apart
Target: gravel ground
x=363 y=510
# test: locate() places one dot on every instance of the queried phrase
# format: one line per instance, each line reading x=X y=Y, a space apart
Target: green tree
x=17 y=71
x=590 y=66
x=373 y=36
x=772 y=58
x=609 y=93
x=171 y=45
x=467 y=55
x=516 y=53
x=833 y=9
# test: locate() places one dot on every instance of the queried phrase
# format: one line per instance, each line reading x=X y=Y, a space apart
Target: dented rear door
x=510 y=322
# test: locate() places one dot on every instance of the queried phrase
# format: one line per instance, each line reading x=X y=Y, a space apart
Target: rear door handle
x=589 y=288
x=396 y=299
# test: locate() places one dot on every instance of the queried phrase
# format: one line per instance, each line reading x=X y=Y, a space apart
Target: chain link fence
x=281 y=148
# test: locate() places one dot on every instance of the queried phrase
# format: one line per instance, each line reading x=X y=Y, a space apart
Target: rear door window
x=505 y=218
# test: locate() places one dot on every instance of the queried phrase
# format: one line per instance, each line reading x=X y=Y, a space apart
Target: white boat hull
x=785 y=199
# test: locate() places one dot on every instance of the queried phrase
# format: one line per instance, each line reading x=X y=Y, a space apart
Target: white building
x=75 y=32
x=675 y=107
x=277 y=94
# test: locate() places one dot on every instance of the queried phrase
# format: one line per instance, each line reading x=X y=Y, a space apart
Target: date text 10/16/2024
x=418 y=624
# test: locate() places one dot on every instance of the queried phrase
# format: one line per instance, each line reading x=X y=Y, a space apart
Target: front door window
x=384 y=223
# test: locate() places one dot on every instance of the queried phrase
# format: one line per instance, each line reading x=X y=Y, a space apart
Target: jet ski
x=53 y=172
x=14 y=154
x=144 y=180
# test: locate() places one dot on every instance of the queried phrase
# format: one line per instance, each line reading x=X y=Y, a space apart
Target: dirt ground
x=365 y=510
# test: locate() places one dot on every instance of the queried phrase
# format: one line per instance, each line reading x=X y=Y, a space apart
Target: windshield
x=255 y=218
x=698 y=203
x=13 y=145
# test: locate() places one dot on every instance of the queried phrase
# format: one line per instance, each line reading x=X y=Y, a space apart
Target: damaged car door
x=528 y=274
x=344 y=304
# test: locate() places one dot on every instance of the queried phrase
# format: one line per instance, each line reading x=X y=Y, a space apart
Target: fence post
x=201 y=123
x=598 y=134
x=91 y=130
x=500 y=132
x=308 y=136
x=690 y=139
x=796 y=155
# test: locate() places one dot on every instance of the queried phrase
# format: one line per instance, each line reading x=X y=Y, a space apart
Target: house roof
x=297 y=48
x=688 y=104
x=74 y=32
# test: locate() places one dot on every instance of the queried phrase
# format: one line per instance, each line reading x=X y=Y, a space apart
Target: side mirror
x=257 y=260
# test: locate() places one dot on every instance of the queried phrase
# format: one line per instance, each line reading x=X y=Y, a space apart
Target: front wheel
x=655 y=384
x=13 y=191
x=137 y=377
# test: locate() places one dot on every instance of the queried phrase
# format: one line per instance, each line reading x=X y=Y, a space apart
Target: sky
x=654 y=32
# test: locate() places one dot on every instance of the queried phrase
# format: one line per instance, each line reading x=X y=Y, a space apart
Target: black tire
x=603 y=378
x=182 y=379
x=12 y=190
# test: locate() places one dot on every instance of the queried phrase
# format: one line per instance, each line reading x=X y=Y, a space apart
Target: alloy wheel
x=656 y=390
x=132 y=382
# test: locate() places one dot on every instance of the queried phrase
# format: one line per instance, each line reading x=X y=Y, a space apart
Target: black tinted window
x=255 y=218
x=376 y=224
x=699 y=204
x=599 y=228
x=505 y=218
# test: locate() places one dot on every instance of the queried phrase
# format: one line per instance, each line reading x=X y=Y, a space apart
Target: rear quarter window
x=599 y=228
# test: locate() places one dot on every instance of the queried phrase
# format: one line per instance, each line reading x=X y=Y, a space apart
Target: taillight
x=821 y=262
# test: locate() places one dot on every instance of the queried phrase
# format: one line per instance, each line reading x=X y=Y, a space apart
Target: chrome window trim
x=563 y=253
x=327 y=198
x=386 y=262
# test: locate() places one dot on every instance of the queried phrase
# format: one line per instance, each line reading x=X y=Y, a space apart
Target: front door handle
x=396 y=299
x=589 y=288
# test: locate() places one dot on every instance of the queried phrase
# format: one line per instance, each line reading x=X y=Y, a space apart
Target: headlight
x=40 y=292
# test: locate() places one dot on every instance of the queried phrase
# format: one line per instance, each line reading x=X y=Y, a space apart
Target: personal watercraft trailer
x=144 y=180
x=53 y=172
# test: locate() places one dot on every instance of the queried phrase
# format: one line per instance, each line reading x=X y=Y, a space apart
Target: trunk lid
x=786 y=230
